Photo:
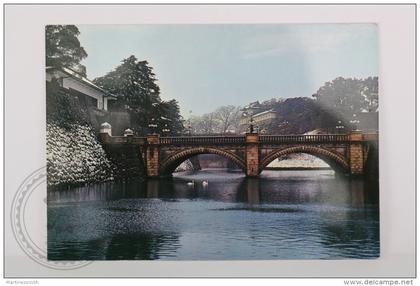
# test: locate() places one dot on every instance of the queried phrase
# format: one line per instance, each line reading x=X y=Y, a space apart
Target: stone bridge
x=345 y=153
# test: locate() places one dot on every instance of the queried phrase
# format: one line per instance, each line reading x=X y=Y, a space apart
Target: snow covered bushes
x=74 y=156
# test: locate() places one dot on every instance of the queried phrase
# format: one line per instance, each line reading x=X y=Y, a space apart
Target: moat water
x=281 y=215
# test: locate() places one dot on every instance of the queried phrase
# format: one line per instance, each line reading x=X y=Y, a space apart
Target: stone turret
x=128 y=132
x=105 y=131
x=106 y=128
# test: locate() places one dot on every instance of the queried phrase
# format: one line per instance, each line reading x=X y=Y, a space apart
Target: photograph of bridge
x=212 y=142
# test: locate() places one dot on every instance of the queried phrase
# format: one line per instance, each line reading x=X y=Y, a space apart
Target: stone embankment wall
x=75 y=156
x=126 y=161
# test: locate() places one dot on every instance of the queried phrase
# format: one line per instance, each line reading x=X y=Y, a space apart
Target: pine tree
x=63 y=48
x=134 y=83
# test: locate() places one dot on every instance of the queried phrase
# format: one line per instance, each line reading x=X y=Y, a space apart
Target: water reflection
x=252 y=189
x=118 y=247
x=282 y=215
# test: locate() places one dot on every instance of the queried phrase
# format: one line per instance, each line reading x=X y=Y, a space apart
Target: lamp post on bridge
x=355 y=123
x=166 y=130
x=251 y=122
x=189 y=128
x=251 y=125
x=189 y=125
x=128 y=132
x=153 y=126
x=339 y=127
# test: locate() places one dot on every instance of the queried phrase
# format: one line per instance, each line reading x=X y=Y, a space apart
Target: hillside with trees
x=338 y=106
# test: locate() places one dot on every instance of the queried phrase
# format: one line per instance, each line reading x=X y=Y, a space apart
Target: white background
x=25 y=129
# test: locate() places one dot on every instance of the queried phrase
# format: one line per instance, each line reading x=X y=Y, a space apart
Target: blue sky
x=206 y=66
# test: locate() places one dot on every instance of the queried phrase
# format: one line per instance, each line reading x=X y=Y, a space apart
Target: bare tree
x=195 y=122
x=209 y=123
x=224 y=119
x=228 y=117
x=204 y=124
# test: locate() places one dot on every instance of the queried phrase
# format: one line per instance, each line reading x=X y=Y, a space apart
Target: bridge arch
x=336 y=161
x=169 y=164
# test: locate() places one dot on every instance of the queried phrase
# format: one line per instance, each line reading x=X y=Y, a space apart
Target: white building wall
x=74 y=84
x=105 y=103
x=69 y=82
x=258 y=118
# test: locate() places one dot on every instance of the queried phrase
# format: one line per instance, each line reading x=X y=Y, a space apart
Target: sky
x=207 y=66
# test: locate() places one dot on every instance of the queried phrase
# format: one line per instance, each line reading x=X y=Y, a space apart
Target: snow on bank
x=74 y=156
x=185 y=166
x=298 y=160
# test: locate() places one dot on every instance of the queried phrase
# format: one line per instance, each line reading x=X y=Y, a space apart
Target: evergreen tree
x=134 y=83
x=347 y=96
x=170 y=117
x=63 y=48
x=370 y=91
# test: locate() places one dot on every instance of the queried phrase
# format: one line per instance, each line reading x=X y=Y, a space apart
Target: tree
x=204 y=124
x=170 y=117
x=348 y=96
x=223 y=120
x=209 y=123
x=370 y=92
x=228 y=117
x=63 y=48
x=299 y=115
x=134 y=83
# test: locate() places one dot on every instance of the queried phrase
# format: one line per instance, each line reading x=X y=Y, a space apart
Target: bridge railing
x=371 y=137
x=127 y=140
x=303 y=138
x=202 y=140
x=226 y=140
